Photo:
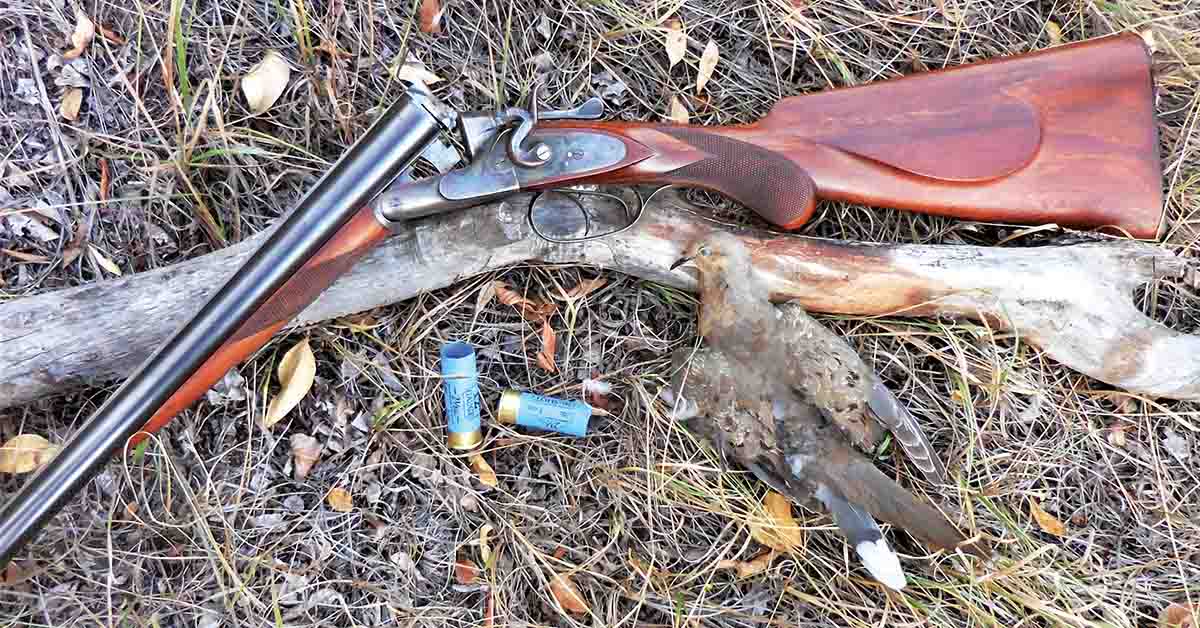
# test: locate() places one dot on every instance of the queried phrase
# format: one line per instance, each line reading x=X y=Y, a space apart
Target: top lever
x=477 y=129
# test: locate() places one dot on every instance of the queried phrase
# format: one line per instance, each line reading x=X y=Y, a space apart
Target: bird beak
x=681 y=261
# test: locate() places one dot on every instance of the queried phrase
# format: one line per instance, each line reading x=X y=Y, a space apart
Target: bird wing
x=903 y=425
x=831 y=372
x=851 y=476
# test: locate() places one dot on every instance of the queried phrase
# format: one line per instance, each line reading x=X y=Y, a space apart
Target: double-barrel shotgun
x=1065 y=135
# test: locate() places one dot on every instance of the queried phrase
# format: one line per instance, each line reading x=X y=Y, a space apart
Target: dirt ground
x=210 y=527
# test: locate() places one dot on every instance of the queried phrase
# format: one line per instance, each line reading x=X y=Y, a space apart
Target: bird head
x=716 y=253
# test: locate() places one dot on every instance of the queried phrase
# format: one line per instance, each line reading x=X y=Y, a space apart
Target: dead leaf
x=15 y=573
x=1178 y=615
x=103 y=261
x=708 y=63
x=465 y=571
x=26 y=257
x=296 y=372
x=75 y=248
x=265 y=82
x=485 y=548
x=751 y=567
x=1116 y=435
x=105 y=179
x=430 y=16
x=545 y=357
x=1046 y=521
x=1054 y=32
x=779 y=531
x=586 y=287
x=567 y=594
x=487 y=476
x=71 y=101
x=25 y=453
x=340 y=500
x=487 y=292
x=1177 y=446
x=413 y=71
x=111 y=35
x=306 y=450
x=85 y=30
x=678 y=113
x=533 y=311
x=675 y=42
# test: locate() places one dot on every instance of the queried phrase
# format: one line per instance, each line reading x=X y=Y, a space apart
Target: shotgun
x=1064 y=135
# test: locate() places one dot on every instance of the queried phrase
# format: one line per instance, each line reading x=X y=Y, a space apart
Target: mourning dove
x=785 y=398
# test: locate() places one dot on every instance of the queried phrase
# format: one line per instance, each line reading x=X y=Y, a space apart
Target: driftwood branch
x=1074 y=302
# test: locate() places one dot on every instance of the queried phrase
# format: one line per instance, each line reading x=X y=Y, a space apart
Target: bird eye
x=704 y=251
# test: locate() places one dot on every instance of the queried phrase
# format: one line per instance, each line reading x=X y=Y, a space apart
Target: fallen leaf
x=25 y=453
x=413 y=71
x=1054 y=32
x=675 y=42
x=465 y=571
x=85 y=30
x=296 y=372
x=779 y=530
x=487 y=476
x=111 y=35
x=533 y=311
x=545 y=357
x=1177 y=446
x=567 y=594
x=751 y=567
x=340 y=500
x=306 y=450
x=679 y=113
x=265 y=82
x=430 y=16
x=103 y=261
x=75 y=248
x=1046 y=521
x=708 y=63
x=487 y=292
x=507 y=295
x=586 y=287
x=1116 y=435
x=105 y=179
x=1178 y=615
x=26 y=257
x=14 y=573
x=71 y=101
x=485 y=547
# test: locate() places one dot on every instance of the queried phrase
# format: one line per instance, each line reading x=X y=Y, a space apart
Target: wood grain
x=1065 y=135
x=1073 y=302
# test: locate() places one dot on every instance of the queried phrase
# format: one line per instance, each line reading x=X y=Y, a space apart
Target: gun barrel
x=390 y=145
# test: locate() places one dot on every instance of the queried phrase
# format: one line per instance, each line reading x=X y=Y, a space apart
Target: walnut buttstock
x=347 y=246
x=1065 y=135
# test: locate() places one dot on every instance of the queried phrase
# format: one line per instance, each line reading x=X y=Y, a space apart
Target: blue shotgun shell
x=460 y=391
x=564 y=416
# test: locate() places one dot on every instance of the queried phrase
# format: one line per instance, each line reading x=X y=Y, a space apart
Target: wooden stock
x=347 y=246
x=1065 y=135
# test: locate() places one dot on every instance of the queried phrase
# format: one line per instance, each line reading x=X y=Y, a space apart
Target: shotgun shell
x=460 y=390
x=544 y=413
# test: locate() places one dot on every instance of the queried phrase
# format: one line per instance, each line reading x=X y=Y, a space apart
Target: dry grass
x=209 y=526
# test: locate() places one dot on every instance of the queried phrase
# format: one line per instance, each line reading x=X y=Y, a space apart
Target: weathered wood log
x=1074 y=302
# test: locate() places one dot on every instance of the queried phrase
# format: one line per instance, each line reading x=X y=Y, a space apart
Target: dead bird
x=785 y=398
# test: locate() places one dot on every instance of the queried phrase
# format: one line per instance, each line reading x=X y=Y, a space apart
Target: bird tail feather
x=908 y=432
x=863 y=533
